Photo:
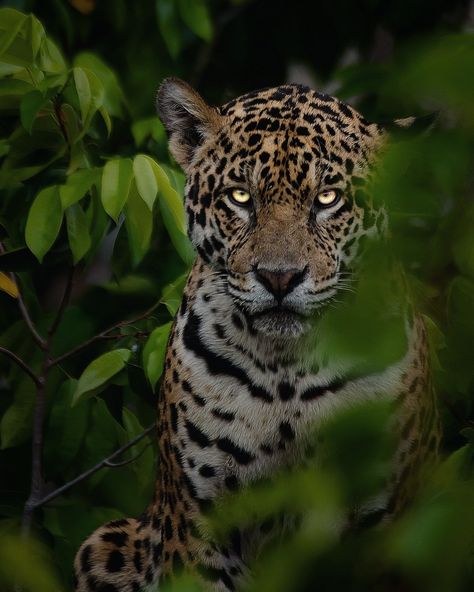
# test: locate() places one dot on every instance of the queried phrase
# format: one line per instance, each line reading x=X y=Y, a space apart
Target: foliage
x=86 y=184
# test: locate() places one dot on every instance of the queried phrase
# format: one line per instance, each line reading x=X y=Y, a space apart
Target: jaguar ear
x=187 y=118
x=411 y=126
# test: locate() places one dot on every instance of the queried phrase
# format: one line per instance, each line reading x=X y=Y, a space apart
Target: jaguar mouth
x=280 y=322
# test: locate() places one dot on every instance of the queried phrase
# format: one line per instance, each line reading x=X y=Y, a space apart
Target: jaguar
x=279 y=218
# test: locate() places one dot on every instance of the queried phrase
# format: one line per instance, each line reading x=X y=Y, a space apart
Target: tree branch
x=64 y=302
x=106 y=462
x=37 y=483
x=23 y=365
x=26 y=315
x=104 y=335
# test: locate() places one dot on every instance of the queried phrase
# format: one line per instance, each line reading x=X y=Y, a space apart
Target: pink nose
x=280 y=282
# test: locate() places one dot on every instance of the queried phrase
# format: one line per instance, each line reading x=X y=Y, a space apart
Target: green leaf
x=44 y=221
x=173 y=293
x=90 y=92
x=145 y=179
x=99 y=372
x=143 y=466
x=172 y=211
x=78 y=184
x=116 y=179
x=154 y=353
x=143 y=128
x=30 y=105
x=65 y=429
x=16 y=422
x=195 y=14
x=168 y=23
x=15 y=554
x=78 y=232
x=114 y=99
x=139 y=225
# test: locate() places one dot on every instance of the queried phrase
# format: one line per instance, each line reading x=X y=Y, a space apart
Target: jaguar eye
x=327 y=198
x=240 y=197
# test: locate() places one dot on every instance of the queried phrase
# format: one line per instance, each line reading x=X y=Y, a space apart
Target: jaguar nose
x=280 y=282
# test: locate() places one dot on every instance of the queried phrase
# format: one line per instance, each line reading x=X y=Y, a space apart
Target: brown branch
x=64 y=302
x=26 y=316
x=36 y=490
x=24 y=311
x=104 y=334
x=23 y=365
x=106 y=462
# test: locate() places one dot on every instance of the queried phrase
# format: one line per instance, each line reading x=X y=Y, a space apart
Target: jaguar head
x=275 y=196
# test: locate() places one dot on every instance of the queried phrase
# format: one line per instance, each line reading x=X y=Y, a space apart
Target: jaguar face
x=274 y=195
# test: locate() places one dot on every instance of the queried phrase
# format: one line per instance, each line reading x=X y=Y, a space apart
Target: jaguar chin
x=281 y=323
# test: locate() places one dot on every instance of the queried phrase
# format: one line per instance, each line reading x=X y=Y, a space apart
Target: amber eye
x=327 y=198
x=240 y=197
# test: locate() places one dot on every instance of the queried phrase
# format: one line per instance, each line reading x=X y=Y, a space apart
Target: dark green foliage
x=86 y=182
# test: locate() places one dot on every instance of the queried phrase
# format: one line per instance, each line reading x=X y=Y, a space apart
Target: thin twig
x=23 y=365
x=103 y=335
x=26 y=315
x=37 y=482
x=106 y=462
x=64 y=302
x=24 y=311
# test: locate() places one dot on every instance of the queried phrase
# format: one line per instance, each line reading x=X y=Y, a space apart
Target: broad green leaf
x=143 y=466
x=78 y=184
x=78 y=232
x=90 y=92
x=15 y=554
x=145 y=179
x=15 y=424
x=172 y=211
x=139 y=225
x=65 y=430
x=44 y=221
x=11 y=23
x=195 y=14
x=173 y=293
x=154 y=353
x=30 y=105
x=106 y=118
x=168 y=23
x=8 y=285
x=143 y=128
x=52 y=61
x=99 y=372
x=116 y=179
x=114 y=99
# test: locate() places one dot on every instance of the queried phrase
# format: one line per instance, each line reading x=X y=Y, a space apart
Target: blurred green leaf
x=44 y=221
x=196 y=15
x=168 y=23
x=15 y=554
x=145 y=179
x=116 y=180
x=99 y=372
x=78 y=184
x=173 y=293
x=31 y=104
x=154 y=353
x=90 y=92
x=78 y=232
x=113 y=98
x=139 y=224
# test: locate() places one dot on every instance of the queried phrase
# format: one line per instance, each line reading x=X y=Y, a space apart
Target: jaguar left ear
x=411 y=126
x=187 y=118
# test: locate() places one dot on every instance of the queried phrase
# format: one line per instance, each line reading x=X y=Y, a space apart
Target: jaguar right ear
x=187 y=118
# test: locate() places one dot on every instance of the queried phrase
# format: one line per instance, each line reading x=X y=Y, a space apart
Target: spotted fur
x=241 y=386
